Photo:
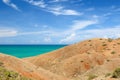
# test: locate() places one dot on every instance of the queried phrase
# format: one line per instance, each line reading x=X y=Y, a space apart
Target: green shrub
x=90 y=44
x=113 y=52
x=108 y=60
x=108 y=74
x=10 y=75
x=1 y=63
x=104 y=45
x=91 y=77
x=81 y=61
x=89 y=40
x=118 y=43
x=110 y=40
x=116 y=73
x=88 y=52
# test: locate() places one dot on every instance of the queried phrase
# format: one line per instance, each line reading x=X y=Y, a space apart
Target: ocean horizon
x=22 y=51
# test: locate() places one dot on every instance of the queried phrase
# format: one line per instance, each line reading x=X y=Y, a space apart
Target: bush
x=1 y=63
x=116 y=73
x=88 y=52
x=10 y=75
x=91 y=77
x=113 y=52
x=110 y=40
x=118 y=43
x=90 y=44
x=89 y=40
x=104 y=45
x=81 y=61
x=108 y=74
x=108 y=60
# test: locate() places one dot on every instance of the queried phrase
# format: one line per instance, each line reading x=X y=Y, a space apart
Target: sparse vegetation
x=118 y=43
x=78 y=62
x=88 y=52
x=108 y=74
x=110 y=40
x=91 y=77
x=10 y=75
x=89 y=40
x=90 y=44
x=113 y=52
x=116 y=73
x=108 y=60
x=104 y=45
x=1 y=64
x=81 y=61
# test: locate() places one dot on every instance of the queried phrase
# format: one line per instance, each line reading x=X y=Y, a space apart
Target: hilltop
x=93 y=59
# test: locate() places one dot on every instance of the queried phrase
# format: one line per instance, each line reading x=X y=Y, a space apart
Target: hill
x=93 y=59
x=97 y=56
x=6 y=74
x=27 y=69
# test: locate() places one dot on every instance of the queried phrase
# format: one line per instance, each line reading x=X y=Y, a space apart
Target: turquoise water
x=23 y=51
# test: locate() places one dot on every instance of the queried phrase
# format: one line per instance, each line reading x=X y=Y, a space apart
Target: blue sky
x=58 y=21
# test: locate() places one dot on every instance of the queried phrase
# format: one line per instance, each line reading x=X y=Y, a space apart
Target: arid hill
x=94 y=59
x=26 y=69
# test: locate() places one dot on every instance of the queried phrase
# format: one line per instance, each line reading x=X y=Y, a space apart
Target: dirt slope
x=75 y=60
x=27 y=69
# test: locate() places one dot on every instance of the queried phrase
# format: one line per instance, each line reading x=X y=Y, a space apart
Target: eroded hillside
x=97 y=56
x=94 y=59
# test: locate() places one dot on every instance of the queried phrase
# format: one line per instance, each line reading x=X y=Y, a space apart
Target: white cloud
x=56 y=10
x=107 y=14
x=90 y=9
x=40 y=3
x=77 y=26
x=95 y=16
x=47 y=39
x=35 y=33
x=68 y=38
x=10 y=32
x=82 y=24
x=112 y=32
x=9 y=3
x=58 y=0
x=59 y=10
x=7 y=33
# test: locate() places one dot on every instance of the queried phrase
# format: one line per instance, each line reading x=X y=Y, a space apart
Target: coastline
x=24 y=51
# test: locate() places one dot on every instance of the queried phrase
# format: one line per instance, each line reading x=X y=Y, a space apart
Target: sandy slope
x=75 y=60
x=27 y=69
x=96 y=58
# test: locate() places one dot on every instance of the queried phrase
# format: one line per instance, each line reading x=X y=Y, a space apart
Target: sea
x=23 y=51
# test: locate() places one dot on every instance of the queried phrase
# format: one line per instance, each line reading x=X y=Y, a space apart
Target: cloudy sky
x=58 y=21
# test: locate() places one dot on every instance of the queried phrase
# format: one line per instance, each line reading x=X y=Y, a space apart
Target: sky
x=58 y=21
